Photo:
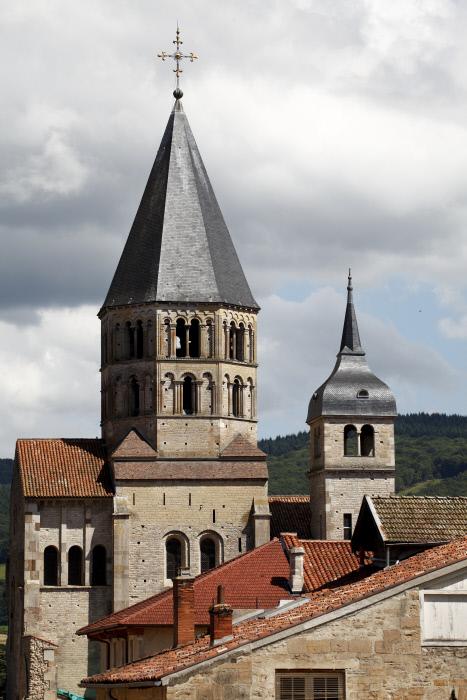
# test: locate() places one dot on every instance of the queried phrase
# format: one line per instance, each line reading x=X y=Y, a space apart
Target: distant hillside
x=431 y=457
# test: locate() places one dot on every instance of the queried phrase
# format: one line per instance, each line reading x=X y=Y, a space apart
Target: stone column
x=197 y=398
x=187 y=340
x=121 y=543
x=203 y=349
x=229 y=399
x=226 y=342
x=173 y=341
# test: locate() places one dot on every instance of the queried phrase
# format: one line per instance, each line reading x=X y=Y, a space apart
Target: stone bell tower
x=351 y=418
x=178 y=382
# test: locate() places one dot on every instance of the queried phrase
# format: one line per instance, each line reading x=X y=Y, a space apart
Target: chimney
x=184 y=608
x=220 y=616
x=296 y=581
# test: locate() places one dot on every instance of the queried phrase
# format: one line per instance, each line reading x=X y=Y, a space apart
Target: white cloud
x=454 y=328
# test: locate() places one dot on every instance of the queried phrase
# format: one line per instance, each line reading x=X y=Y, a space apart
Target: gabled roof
x=179 y=247
x=290 y=514
x=134 y=446
x=63 y=468
x=352 y=389
x=241 y=447
x=412 y=519
x=256 y=579
x=260 y=631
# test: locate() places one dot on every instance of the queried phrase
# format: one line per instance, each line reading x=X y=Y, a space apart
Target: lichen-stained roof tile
x=63 y=468
x=421 y=519
x=166 y=663
x=290 y=514
x=240 y=447
x=179 y=247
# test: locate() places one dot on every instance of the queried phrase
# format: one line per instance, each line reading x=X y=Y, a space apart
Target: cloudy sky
x=335 y=135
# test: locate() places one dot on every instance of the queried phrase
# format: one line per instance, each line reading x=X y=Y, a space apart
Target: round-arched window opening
x=188 y=391
x=99 y=566
x=236 y=398
x=363 y=394
x=50 y=566
x=173 y=554
x=208 y=554
x=75 y=566
x=367 y=441
x=350 y=441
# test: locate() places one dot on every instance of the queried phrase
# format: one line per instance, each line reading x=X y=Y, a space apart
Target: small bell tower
x=351 y=418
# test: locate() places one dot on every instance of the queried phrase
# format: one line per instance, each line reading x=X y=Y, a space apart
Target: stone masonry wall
x=334 y=493
x=185 y=509
x=40 y=659
x=378 y=650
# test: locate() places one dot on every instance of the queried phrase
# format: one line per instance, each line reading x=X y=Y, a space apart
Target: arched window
x=134 y=397
x=194 y=338
x=188 y=387
x=239 y=343
x=208 y=554
x=232 y=341
x=50 y=566
x=363 y=394
x=129 y=340
x=75 y=566
x=180 y=340
x=236 y=398
x=139 y=340
x=99 y=566
x=367 y=441
x=173 y=555
x=350 y=441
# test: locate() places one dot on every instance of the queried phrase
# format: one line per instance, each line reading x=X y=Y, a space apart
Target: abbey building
x=176 y=482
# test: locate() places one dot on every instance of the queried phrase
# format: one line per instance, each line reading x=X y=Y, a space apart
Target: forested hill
x=431 y=456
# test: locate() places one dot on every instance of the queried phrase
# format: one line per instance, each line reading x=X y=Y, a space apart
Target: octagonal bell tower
x=351 y=418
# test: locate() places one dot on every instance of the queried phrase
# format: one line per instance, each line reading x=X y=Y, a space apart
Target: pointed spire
x=179 y=248
x=350 y=342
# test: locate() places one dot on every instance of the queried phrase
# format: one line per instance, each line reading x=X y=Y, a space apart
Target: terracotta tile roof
x=174 y=660
x=290 y=514
x=421 y=519
x=241 y=447
x=63 y=468
x=133 y=445
x=195 y=470
x=325 y=561
x=256 y=579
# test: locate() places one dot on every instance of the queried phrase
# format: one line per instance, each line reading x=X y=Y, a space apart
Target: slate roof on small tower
x=179 y=248
x=352 y=388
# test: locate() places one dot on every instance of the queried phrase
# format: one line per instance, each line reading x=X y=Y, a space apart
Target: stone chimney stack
x=183 y=609
x=220 y=615
x=296 y=579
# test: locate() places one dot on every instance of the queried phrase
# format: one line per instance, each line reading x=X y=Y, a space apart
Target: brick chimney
x=220 y=616
x=296 y=578
x=183 y=608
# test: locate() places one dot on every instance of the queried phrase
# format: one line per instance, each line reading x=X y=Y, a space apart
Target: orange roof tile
x=256 y=579
x=241 y=447
x=290 y=514
x=175 y=660
x=63 y=468
x=325 y=561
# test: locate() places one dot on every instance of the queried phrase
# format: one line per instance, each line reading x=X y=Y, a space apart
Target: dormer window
x=315 y=396
x=363 y=394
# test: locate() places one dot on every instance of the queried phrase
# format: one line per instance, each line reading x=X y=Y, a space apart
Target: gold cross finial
x=177 y=56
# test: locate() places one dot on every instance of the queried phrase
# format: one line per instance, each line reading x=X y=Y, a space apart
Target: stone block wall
x=157 y=510
x=333 y=493
x=378 y=650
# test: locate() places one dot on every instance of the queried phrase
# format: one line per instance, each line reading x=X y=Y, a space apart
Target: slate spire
x=350 y=342
x=179 y=248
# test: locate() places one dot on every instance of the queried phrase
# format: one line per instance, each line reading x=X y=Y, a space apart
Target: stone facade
x=338 y=481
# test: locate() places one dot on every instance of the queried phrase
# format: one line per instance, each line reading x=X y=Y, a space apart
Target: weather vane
x=177 y=56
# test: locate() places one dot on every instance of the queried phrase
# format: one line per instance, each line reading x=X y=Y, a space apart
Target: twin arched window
x=356 y=445
x=176 y=554
x=187 y=338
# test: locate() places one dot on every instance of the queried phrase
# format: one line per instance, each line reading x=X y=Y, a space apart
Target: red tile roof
x=256 y=579
x=241 y=447
x=174 y=660
x=325 y=561
x=63 y=468
x=135 y=446
x=290 y=514
x=194 y=471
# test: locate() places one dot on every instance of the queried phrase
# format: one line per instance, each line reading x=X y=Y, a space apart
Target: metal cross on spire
x=177 y=56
